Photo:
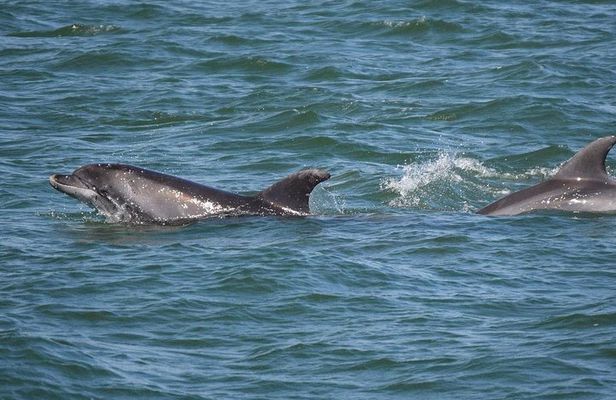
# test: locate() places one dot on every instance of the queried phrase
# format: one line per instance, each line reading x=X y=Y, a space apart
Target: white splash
x=324 y=201
x=432 y=177
x=421 y=21
x=444 y=169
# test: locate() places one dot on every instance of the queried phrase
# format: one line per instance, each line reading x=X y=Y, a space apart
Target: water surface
x=423 y=112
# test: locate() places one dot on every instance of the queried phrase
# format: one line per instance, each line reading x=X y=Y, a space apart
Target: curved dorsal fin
x=588 y=163
x=293 y=191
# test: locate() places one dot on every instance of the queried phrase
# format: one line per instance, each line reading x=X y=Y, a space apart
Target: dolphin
x=125 y=193
x=580 y=185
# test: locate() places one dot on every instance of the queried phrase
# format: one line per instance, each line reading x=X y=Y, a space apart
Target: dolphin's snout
x=66 y=182
x=56 y=180
x=53 y=180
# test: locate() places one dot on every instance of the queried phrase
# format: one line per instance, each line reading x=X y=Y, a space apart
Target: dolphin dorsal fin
x=588 y=163
x=293 y=191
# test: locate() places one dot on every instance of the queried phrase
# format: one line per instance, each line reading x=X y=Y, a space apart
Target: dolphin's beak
x=56 y=180
x=60 y=182
x=72 y=186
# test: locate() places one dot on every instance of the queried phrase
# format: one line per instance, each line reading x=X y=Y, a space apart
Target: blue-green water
x=422 y=111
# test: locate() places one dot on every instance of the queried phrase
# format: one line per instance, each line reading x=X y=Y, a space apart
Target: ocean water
x=422 y=111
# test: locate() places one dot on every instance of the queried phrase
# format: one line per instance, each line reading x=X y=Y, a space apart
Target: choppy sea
x=422 y=111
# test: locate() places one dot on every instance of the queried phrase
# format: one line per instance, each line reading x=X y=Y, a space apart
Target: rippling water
x=423 y=112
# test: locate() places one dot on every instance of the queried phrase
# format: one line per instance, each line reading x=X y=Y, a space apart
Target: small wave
x=305 y=142
x=451 y=6
x=236 y=40
x=498 y=39
x=296 y=117
x=520 y=70
x=579 y=321
x=442 y=116
x=527 y=108
x=97 y=61
x=325 y=74
x=419 y=25
x=393 y=28
x=249 y=64
x=289 y=119
x=488 y=108
x=162 y=118
x=71 y=30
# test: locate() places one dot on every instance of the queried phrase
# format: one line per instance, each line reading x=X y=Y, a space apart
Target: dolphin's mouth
x=73 y=186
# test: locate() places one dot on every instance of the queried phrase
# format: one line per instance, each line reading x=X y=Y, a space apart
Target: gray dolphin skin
x=580 y=185
x=124 y=193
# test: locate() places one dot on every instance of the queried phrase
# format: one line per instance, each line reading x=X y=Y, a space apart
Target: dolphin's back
x=153 y=196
